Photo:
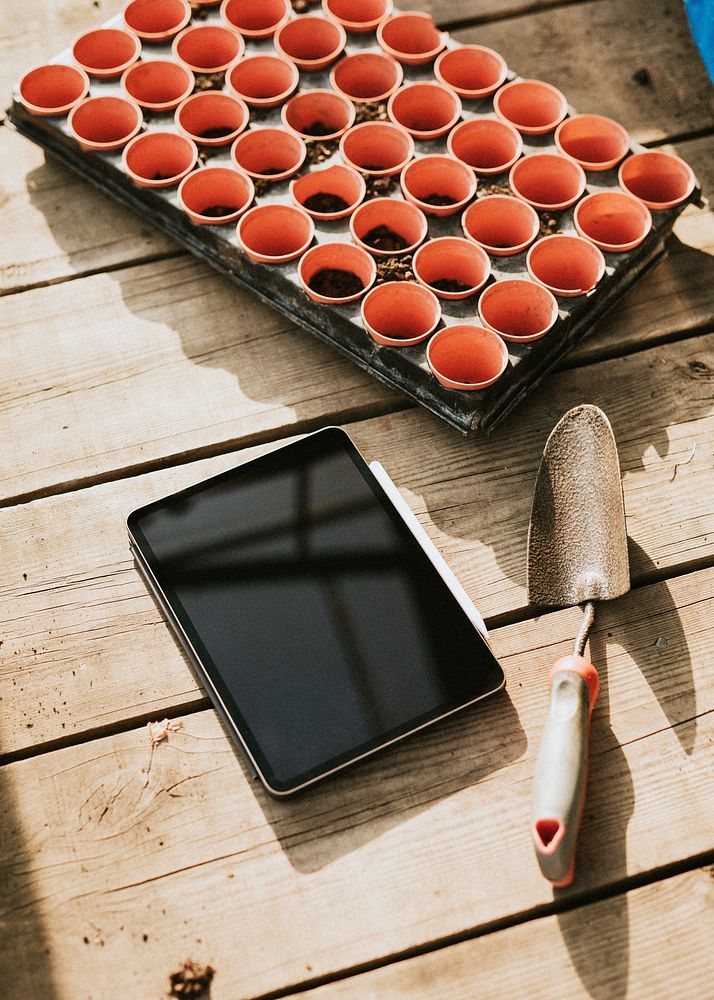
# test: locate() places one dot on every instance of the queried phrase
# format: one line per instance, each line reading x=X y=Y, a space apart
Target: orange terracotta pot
x=318 y=114
x=451 y=259
x=400 y=313
x=106 y=52
x=159 y=85
x=159 y=159
x=411 y=37
x=548 y=181
x=502 y=225
x=472 y=71
x=518 y=310
x=466 y=357
x=612 y=221
x=593 y=141
x=208 y=48
x=344 y=182
x=358 y=16
x=156 y=20
x=658 y=180
x=275 y=234
x=432 y=179
x=425 y=110
x=486 y=145
x=215 y=195
x=567 y=266
x=269 y=153
x=103 y=124
x=367 y=76
x=532 y=106
x=338 y=257
x=263 y=81
x=377 y=149
x=256 y=18
x=212 y=118
x=53 y=90
x=311 y=42
x=399 y=217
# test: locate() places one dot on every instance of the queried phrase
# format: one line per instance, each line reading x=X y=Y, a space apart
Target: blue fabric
x=701 y=21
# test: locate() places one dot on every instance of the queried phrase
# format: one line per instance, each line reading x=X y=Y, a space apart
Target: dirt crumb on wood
x=318 y=152
x=484 y=190
x=395 y=269
x=370 y=112
x=209 y=81
x=300 y=6
x=642 y=76
x=379 y=187
x=549 y=224
x=191 y=980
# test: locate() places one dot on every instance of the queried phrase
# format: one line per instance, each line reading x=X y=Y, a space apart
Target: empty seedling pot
x=311 y=42
x=211 y=118
x=208 y=48
x=548 y=181
x=387 y=227
x=275 y=234
x=106 y=52
x=532 y=106
x=566 y=265
x=336 y=273
x=103 y=124
x=159 y=85
x=593 y=141
x=451 y=267
x=502 y=225
x=269 y=153
x=159 y=159
x=332 y=193
x=53 y=90
x=659 y=180
x=613 y=221
x=256 y=18
x=318 y=114
x=263 y=81
x=485 y=145
x=215 y=195
x=156 y=20
x=518 y=310
x=411 y=37
x=367 y=76
x=438 y=185
x=425 y=110
x=466 y=356
x=400 y=313
x=377 y=148
x=358 y=16
x=472 y=71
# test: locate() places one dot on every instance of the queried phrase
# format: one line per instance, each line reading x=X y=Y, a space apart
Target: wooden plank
x=81 y=631
x=133 y=871
x=653 y=942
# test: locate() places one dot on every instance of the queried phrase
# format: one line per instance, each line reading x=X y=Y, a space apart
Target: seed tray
x=404 y=368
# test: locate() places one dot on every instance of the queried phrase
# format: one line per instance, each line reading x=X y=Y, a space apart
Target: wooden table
x=130 y=370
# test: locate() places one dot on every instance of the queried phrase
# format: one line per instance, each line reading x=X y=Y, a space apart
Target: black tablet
x=319 y=616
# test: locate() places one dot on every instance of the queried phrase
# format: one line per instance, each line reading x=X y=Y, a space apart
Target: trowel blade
x=577 y=541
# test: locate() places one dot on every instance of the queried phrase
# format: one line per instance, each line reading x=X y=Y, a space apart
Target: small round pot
x=106 y=52
x=400 y=217
x=156 y=20
x=270 y=154
x=336 y=257
x=159 y=85
x=358 y=16
x=318 y=114
x=411 y=37
x=425 y=110
x=103 y=124
x=486 y=145
x=275 y=234
x=441 y=262
x=433 y=179
x=311 y=42
x=593 y=141
x=471 y=71
x=344 y=182
x=466 y=357
x=159 y=159
x=531 y=106
x=567 y=266
x=53 y=90
x=547 y=181
x=211 y=118
x=256 y=18
x=613 y=221
x=367 y=76
x=658 y=180
x=208 y=48
x=502 y=225
x=215 y=195
x=378 y=149
x=263 y=81
x=518 y=310
x=400 y=313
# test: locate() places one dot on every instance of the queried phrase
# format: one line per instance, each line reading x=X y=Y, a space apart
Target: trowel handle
x=562 y=767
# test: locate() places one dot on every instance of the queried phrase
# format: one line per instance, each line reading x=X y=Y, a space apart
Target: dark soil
x=216 y=133
x=206 y=153
x=161 y=177
x=272 y=171
x=370 y=112
x=384 y=238
x=395 y=269
x=318 y=128
x=335 y=283
x=486 y=189
x=191 y=980
x=642 y=76
x=549 y=224
x=318 y=152
x=325 y=203
x=378 y=187
x=439 y=199
x=218 y=211
x=449 y=285
x=209 y=81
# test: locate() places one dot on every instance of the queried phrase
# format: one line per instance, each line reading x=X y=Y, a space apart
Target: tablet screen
x=320 y=621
